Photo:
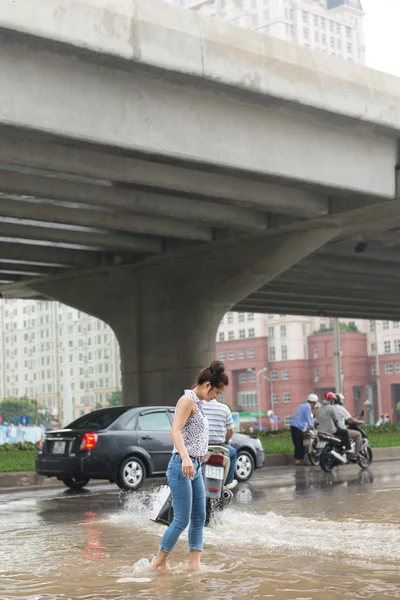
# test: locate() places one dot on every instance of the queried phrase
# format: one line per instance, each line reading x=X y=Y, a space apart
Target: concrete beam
x=357 y=266
x=156 y=35
x=41 y=211
x=24 y=270
x=89 y=240
x=42 y=256
x=257 y=140
x=110 y=167
x=136 y=201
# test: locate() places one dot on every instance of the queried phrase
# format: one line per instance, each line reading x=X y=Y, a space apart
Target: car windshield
x=98 y=419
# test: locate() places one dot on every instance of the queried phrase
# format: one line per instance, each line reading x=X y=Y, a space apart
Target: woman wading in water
x=185 y=479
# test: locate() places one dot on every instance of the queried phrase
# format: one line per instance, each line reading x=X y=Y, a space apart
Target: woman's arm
x=184 y=410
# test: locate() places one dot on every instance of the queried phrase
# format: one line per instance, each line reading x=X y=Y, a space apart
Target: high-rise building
x=331 y=26
x=66 y=360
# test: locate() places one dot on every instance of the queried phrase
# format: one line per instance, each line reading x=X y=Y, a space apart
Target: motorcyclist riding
x=343 y=416
x=329 y=423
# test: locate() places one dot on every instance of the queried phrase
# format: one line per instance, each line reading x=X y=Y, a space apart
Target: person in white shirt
x=343 y=415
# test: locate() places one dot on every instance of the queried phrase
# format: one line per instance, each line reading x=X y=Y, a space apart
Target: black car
x=124 y=444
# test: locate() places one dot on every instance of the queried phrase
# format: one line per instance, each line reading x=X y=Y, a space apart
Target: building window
x=373 y=347
x=316 y=375
x=316 y=37
x=242 y=334
x=332 y=42
x=396 y=324
x=222 y=356
x=241 y=354
x=254 y=20
x=356 y=393
x=250 y=316
x=306 y=33
x=322 y=22
x=338 y=29
x=251 y=332
x=385 y=324
x=372 y=325
x=283 y=331
x=316 y=21
x=388 y=368
x=230 y=317
x=271 y=352
x=242 y=377
x=397 y=345
x=241 y=317
x=387 y=346
x=247 y=400
x=284 y=352
x=253 y=376
x=305 y=16
x=231 y=335
x=273 y=375
x=331 y=26
x=271 y=332
x=266 y=14
x=397 y=367
x=323 y=39
x=349 y=48
x=251 y=353
x=305 y=351
x=286 y=397
x=254 y=4
x=231 y=356
x=348 y=32
x=221 y=336
x=285 y=374
x=275 y=398
x=373 y=369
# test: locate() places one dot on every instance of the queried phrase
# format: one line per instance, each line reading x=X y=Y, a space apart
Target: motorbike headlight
x=258 y=444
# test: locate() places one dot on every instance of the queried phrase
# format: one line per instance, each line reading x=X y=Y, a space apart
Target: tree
x=11 y=409
x=116 y=399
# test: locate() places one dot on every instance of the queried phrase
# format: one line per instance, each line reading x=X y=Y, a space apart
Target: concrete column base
x=165 y=311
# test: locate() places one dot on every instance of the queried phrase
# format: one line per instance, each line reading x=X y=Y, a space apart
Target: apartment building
x=66 y=360
x=331 y=26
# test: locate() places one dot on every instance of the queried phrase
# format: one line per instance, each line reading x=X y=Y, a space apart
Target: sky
x=382 y=39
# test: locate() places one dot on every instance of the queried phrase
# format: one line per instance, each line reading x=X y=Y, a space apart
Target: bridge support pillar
x=165 y=311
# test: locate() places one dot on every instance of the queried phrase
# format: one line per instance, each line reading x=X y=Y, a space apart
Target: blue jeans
x=189 y=504
x=233 y=458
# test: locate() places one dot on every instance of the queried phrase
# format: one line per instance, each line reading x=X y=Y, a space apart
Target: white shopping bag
x=161 y=511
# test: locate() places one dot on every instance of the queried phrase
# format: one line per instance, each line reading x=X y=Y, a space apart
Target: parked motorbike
x=215 y=469
x=334 y=453
x=312 y=446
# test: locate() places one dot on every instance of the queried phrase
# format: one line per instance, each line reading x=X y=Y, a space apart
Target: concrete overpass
x=158 y=168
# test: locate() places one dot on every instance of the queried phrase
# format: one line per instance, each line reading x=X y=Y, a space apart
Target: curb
x=31 y=480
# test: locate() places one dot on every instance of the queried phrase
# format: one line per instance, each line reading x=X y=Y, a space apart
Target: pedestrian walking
x=190 y=437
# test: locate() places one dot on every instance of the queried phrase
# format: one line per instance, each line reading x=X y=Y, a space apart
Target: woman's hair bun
x=217 y=367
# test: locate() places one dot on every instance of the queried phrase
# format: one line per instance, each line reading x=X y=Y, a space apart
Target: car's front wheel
x=244 y=466
x=75 y=483
x=131 y=473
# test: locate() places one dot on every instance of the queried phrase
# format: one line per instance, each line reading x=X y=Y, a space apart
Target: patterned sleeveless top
x=195 y=430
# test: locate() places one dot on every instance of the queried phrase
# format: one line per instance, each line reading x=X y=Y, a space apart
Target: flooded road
x=291 y=534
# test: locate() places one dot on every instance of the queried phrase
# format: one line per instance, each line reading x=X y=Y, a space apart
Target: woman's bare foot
x=194 y=561
x=160 y=567
x=160 y=563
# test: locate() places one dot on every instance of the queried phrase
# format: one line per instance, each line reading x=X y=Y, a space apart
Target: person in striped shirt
x=221 y=430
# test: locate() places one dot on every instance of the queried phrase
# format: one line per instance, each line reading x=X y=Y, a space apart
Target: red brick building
x=256 y=383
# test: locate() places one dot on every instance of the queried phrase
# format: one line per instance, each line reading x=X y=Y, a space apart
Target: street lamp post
x=258 y=373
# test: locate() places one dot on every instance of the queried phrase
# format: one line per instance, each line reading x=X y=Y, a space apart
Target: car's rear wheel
x=244 y=466
x=75 y=483
x=131 y=473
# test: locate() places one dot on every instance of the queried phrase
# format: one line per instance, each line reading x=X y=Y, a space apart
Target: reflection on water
x=302 y=535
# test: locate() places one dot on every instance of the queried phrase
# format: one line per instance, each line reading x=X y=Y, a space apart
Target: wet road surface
x=290 y=534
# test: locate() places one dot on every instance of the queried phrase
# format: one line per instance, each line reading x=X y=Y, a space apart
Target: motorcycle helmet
x=330 y=396
x=339 y=399
x=313 y=398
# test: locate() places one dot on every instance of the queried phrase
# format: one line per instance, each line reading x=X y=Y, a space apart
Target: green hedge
x=20 y=446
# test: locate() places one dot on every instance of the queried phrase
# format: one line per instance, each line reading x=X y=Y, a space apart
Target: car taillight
x=89 y=441
x=41 y=442
x=216 y=459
